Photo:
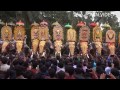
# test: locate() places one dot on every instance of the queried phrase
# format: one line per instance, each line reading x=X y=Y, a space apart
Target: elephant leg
x=85 y=47
x=71 y=50
x=41 y=47
x=19 y=46
x=4 y=45
x=112 y=49
x=98 y=47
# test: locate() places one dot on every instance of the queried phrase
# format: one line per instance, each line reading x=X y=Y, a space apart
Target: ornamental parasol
x=80 y=24
x=93 y=24
x=106 y=25
x=68 y=26
x=20 y=23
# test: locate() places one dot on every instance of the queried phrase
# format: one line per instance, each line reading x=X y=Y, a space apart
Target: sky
x=117 y=13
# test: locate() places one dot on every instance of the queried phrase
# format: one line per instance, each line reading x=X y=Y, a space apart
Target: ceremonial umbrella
x=68 y=26
x=106 y=25
x=93 y=24
x=20 y=23
x=80 y=24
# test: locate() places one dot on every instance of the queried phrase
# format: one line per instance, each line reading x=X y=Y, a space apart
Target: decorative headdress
x=106 y=25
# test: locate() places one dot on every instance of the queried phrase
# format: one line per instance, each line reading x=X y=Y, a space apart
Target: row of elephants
x=40 y=37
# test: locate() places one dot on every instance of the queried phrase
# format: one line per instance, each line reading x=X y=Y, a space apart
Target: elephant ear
x=71 y=35
x=6 y=33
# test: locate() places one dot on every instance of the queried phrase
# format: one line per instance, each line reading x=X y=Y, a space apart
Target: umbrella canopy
x=20 y=23
x=93 y=24
x=106 y=25
x=80 y=24
x=68 y=26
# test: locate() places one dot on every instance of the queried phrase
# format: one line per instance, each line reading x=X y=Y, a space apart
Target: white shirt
x=108 y=70
x=60 y=69
x=84 y=68
x=75 y=66
x=4 y=67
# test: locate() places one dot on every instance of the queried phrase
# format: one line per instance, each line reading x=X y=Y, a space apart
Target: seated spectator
x=75 y=63
x=28 y=74
x=108 y=68
x=115 y=72
x=4 y=66
x=52 y=73
x=43 y=74
x=34 y=66
x=79 y=73
x=19 y=72
x=70 y=71
x=10 y=74
x=60 y=75
x=60 y=67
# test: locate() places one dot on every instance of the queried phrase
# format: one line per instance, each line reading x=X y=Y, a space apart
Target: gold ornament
x=19 y=33
x=71 y=35
x=6 y=33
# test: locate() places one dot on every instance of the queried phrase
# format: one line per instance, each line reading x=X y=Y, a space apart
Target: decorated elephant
x=19 y=35
x=35 y=37
x=97 y=38
x=71 y=39
x=57 y=37
x=6 y=35
x=43 y=37
x=110 y=39
x=84 y=35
